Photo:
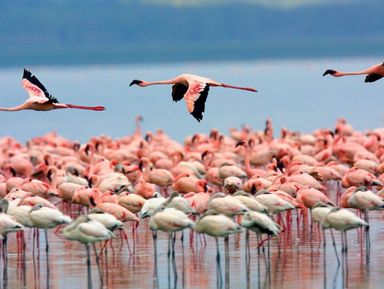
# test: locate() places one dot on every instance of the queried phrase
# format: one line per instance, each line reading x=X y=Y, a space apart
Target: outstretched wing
x=178 y=91
x=36 y=89
x=195 y=97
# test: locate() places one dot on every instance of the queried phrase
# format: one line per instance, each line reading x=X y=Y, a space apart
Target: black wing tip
x=197 y=116
x=373 y=77
x=200 y=104
x=27 y=74
x=329 y=71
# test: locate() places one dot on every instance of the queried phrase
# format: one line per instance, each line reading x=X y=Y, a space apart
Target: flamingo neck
x=247 y=162
x=16 y=108
x=340 y=73
x=148 y=83
x=138 y=128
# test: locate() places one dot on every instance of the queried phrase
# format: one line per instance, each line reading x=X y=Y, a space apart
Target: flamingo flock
x=216 y=185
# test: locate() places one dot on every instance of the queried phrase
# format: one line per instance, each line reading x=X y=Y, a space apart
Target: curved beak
x=135 y=81
x=329 y=71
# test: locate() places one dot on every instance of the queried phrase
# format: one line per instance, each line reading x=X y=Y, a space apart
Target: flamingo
x=109 y=221
x=47 y=218
x=40 y=99
x=169 y=220
x=226 y=205
x=179 y=203
x=260 y=224
x=7 y=225
x=193 y=88
x=217 y=225
x=87 y=231
x=374 y=72
x=151 y=205
x=342 y=220
x=250 y=202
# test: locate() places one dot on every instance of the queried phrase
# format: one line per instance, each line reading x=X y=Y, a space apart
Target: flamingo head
x=329 y=71
x=137 y=82
x=37 y=207
x=241 y=143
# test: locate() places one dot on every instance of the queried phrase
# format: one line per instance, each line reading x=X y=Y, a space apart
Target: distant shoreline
x=168 y=53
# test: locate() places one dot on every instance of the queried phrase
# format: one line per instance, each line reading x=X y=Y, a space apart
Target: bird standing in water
x=193 y=88
x=40 y=99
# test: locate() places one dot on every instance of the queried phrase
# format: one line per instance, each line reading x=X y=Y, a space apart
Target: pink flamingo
x=374 y=72
x=193 y=88
x=40 y=99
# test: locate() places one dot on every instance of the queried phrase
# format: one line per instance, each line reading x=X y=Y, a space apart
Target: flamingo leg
x=173 y=235
x=126 y=240
x=334 y=246
x=98 y=265
x=89 y=272
x=219 y=275
x=226 y=249
x=95 y=108
x=155 y=277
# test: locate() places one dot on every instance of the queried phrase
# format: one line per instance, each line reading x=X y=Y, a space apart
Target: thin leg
x=155 y=277
x=46 y=241
x=89 y=267
x=226 y=243
x=334 y=247
x=98 y=265
x=219 y=275
x=324 y=259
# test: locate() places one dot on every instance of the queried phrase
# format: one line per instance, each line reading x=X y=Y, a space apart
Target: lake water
x=302 y=263
x=292 y=92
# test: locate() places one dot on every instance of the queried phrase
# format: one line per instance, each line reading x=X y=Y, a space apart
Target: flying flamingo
x=193 y=88
x=374 y=72
x=40 y=99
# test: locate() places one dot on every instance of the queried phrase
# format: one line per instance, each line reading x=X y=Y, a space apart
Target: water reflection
x=306 y=259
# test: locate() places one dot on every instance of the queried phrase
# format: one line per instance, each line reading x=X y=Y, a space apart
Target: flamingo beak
x=135 y=81
x=329 y=71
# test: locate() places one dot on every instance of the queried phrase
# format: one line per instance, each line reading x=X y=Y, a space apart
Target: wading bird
x=374 y=72
x=40 y=99
x=193 y=88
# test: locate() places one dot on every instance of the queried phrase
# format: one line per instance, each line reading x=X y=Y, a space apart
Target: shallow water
x=301 y=263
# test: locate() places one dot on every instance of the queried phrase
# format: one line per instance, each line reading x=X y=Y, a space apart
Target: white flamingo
x=47 y=218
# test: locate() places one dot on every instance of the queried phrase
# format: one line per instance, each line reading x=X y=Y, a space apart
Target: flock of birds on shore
x=204 y=184
x=214 y=184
